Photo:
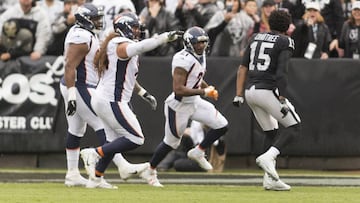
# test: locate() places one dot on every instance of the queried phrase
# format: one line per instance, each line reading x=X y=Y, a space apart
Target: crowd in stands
x=321 y=29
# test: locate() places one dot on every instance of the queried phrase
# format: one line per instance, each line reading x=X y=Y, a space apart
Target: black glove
x=284 y=108
x=238 y=101
x=151 y=100
x=71 y=109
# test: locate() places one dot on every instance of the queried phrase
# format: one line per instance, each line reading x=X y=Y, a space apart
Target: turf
x=134 y=193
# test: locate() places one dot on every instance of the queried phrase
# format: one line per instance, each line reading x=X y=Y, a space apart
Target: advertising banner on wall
x=29 y=94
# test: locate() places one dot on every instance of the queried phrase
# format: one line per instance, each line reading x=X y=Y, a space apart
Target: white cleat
x=99 y=182
x=267 y=163
x=271 y=184
x=150 y=175
x=198 y=155
x=73 y=178
x=132 y=169
x=90 y=158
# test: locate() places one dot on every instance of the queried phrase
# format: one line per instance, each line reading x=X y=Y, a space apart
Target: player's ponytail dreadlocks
x=279 y=21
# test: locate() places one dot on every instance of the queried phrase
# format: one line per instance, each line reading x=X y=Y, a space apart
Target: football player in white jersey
x=118 y=64
x=77 y=86
x=188 y=70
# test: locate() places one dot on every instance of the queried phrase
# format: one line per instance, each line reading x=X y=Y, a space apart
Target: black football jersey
x=262 y=58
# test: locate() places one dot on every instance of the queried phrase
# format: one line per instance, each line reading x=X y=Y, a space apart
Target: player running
x=188 y=70
x=117 y=64
x=265 y=64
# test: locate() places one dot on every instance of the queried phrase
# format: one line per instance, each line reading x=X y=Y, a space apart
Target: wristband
x=142 y=92
x=71 y=93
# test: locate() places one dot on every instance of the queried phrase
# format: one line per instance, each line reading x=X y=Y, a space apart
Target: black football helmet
x=90 y=17
x=194 y=35
x=127 y=24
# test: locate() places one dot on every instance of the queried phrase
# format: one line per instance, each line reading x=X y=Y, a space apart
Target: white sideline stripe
x=214 y=181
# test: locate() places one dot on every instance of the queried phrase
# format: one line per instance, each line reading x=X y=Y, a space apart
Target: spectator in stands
x=267 y=7
x=60 y=27
x=287 y=6
x=230 y=29
x=33 y=18
x=347 y=7
x=312 y=36
x=158 y=20
x=349 y=40
x=15 y=41
x=333 y=15
x=195 y=12
x=52 y=8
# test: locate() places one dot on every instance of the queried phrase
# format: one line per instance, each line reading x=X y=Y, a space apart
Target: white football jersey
x=118 y=81
x=85 y=72
x=195 y=67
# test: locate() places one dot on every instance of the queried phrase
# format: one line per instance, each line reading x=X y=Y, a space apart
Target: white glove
x=238 y=100
x=174 y=35
x=211 y=92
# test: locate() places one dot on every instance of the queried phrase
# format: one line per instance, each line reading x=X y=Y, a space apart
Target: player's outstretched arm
x=133 y=49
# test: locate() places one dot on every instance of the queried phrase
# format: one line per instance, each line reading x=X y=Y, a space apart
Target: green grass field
x=50 y=191
x=57 y=192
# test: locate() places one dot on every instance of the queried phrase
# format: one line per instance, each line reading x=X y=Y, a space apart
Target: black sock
x=161 y=151
x=72 y=141
x=269 y=139
x=212 y=136
x=101 y=136
x=286 y=136
x=119 y=145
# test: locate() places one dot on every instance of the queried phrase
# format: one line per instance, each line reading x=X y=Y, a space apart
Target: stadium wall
x=325 y=93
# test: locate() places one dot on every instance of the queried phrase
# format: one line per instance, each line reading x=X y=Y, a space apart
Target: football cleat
x=150 y=176
x=198 y=155
x=73 y=178
x=267 y=163
x=90 y=158
x=270 y=184
x=132 y=169
x=99 y=182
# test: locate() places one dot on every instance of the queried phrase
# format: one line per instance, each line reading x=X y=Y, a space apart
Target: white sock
x=72 y=159
x=273 y=151
x=120 y=161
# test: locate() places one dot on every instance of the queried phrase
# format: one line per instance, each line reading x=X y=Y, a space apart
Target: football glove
x=211 y=92
x=174 y=35
x=150 y=99
x=284 y=108
x=238 y=100
x=71 y=108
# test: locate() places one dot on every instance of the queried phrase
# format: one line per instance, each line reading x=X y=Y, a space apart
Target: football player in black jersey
x=265 y=65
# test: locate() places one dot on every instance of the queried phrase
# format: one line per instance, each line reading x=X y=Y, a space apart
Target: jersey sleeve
x=286 y=43
x=183 y=60
x=80 y=36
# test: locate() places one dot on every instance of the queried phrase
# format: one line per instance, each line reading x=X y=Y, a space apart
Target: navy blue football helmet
x=127 y=24
x=90 y=17
x=194 y=35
